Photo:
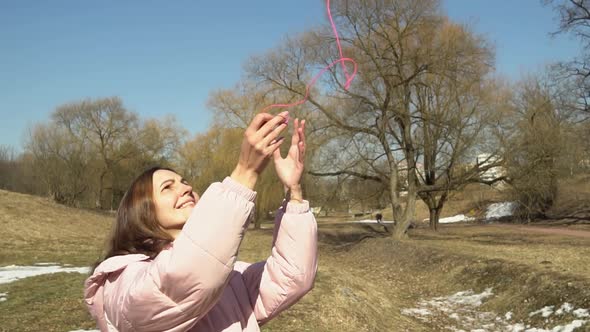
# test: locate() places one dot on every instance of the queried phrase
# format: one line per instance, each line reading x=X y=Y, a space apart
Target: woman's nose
x=186 y=189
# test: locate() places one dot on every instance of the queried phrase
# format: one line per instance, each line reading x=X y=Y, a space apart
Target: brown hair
x=136 y=229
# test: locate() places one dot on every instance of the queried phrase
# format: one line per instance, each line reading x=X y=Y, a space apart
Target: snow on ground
x=457 y=218
x=447 y=220
x=416 y=311
x=581 y=313
x=13 y=272
x=545 y=311
x=453 y=219
x=460 y=313
x=499 y=210
x=566 y=307
x=494 y=211
x=373 y=221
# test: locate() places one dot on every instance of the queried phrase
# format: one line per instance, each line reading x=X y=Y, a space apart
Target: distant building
x=402 y=167
x=486 y=159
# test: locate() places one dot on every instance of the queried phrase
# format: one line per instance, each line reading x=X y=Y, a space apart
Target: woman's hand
x=261 y=140
x=290 y=168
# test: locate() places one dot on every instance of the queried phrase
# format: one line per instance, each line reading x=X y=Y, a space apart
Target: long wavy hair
x=136 y=229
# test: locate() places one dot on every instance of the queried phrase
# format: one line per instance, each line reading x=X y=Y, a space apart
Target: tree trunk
x=402 y=220
x=258 y=217
x=98 y=203
x=112 y=198
x=400 y=230
x=431 y=219
x=434 y=217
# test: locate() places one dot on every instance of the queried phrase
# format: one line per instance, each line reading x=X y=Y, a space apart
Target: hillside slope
x=35 y=229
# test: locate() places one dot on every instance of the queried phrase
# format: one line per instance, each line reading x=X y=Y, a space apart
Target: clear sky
x=164 y=57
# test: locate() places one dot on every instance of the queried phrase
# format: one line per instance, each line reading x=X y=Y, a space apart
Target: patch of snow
x=45 y=264
x=3 y=297
x=499 y=210
x=581 y=313
x=516 y=327
x=459 y=312
x=559 y=328
x=415 y=311
x=467 y=298
x=571 y=326
x=545 y=311
x=13 y=272
x=455 y=306
x=373 y=221
x=566 y=307
x=453 y=219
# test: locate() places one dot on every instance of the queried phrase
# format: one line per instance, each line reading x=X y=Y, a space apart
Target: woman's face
x=174 y=200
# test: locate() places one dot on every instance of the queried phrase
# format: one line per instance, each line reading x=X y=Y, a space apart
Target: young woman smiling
x=171 y=265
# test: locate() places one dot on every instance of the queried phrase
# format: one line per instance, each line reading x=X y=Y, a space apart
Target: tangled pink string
x=341 y=60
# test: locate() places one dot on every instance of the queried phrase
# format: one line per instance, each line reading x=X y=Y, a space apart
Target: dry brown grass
x=34 y=229
x=556 y=253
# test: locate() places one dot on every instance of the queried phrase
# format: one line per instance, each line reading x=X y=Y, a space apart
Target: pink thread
x=342 y=60
x=348 y=78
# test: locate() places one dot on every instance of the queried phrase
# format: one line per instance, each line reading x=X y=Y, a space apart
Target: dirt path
x=549 y=230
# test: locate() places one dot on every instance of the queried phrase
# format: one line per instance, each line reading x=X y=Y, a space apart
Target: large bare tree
x=421 y=87
x=456 y=104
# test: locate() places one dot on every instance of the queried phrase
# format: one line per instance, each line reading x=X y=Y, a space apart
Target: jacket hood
x=94 y=285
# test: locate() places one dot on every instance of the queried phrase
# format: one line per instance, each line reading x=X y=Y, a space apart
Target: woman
x=171 y=265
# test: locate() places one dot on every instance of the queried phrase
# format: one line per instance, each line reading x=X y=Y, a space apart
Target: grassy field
x=365 y=282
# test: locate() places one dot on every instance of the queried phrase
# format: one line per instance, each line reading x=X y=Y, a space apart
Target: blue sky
x=165 y=57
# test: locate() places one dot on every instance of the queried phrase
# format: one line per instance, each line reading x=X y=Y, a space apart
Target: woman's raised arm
x=185 y=280
x=289 y=272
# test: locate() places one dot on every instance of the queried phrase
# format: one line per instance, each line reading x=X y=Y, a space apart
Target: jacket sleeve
x=185 y=281
x=288 y=274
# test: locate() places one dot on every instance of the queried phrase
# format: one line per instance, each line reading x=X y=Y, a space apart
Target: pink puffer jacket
x=196 y=283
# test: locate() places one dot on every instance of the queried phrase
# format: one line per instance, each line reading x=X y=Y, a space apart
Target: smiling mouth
x=186 y=204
